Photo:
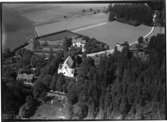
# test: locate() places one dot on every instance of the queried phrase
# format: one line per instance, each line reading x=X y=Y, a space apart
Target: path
x=150 y=32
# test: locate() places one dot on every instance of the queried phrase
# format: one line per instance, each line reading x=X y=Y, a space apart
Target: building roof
x=25 y=76
x=78 y=39
x=69 y=61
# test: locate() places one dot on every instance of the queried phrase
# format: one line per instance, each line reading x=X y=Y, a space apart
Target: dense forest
x=121 y=86
x=134 y=14
x=138 y=13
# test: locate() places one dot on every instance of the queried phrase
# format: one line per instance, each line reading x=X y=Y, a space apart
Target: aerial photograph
x=83 y=61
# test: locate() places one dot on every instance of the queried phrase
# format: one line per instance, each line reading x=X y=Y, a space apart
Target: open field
x=16 y=29
x=115 y=32
x=71 y=24
x=19 y=20
x=43 y=19
x=41 y=14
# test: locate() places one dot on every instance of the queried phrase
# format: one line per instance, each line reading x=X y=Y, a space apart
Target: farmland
x=16 y=29
x=71 y=23
x=43 y=19
x=41 y=16
x=115 y=32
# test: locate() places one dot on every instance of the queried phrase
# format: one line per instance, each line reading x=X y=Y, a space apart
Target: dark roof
x=58 y=35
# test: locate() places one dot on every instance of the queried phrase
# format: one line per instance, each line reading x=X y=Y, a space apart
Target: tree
x=53 y=81
x=39 y=90
x=36 y=44
x=7 y=53
x=80 y=111
x=13 y=97
x=92 y=45
x=140 y=40
x=90 y=9
x=51 y=55
x=84 y=67
x=83 y=10
x=124 y=106
x=65 y=17
x=74 y=51
x=29 y=99
x=157 y=49
x=77 y=60
x=35 y=60
x=46 y=79
x=29 y=108
x=61 y=82
x=67 y=43
x=26 y=57
x=52 y=66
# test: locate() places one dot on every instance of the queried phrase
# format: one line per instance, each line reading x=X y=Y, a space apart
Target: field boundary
x=89 y=27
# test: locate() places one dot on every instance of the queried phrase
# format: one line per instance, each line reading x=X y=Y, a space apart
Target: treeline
x=134 y=14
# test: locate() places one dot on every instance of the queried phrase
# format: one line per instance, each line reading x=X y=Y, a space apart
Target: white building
x=66 y=68
x=79 y=42
x=119 y=47
x=26 y=77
